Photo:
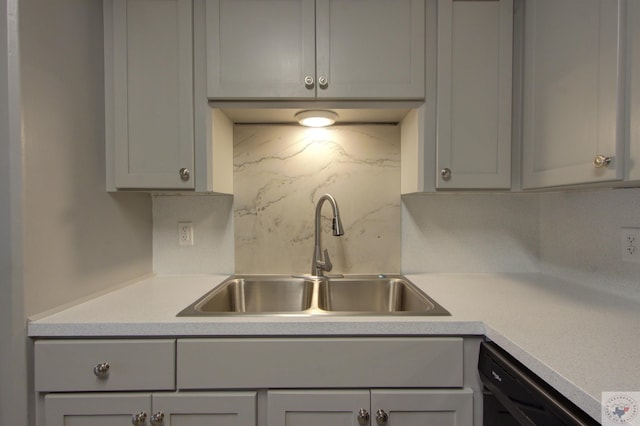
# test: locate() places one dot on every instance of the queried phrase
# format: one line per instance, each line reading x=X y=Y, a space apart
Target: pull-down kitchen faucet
x=322 y=262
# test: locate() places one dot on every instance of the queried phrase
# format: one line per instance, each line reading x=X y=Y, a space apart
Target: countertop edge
x=291 y=327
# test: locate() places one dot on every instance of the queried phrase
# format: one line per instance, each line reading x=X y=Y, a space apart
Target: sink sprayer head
x=338 y=230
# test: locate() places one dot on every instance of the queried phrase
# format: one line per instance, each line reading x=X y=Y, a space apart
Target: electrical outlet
x=630 y=244
x=185 y=233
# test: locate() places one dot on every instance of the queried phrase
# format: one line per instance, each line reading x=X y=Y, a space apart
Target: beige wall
x=580 y=233
x=62 y=237
x=13 y=348
x=78 y=239
x=212 y=220
x=479 y=232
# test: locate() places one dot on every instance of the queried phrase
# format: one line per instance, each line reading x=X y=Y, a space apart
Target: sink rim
x=315 y=309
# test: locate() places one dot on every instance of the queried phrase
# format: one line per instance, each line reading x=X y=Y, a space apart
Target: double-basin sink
x=291 y=295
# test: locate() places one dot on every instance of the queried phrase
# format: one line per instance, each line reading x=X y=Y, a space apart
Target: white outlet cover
x=630 y=244
x=185 y=233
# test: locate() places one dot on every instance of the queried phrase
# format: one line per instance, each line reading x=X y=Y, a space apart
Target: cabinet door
x=317 y=407
x=422 y=407
x=370 y=49
x=152 y=104
x=97 y=409
x=475 y=42
x=206 y=408
x=260 y=49
x=572 y=91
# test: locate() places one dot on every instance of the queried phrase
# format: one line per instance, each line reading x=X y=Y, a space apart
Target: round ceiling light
x=316 y=118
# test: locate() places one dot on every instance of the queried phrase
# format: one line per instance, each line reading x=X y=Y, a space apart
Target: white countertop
x=580 y=340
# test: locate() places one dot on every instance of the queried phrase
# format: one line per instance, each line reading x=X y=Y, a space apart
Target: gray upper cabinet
x=475 y=43
x=633 y=90
x=370 y=49
x=460 y=138
x=149 y=93
x=160 y=132
x=309 y=49
x=260 y=48
x=573 y=110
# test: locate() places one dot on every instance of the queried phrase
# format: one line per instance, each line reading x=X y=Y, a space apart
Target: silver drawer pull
x=445 y=173
x=139 y=419
x=363 y=417
x=101 y=370
x=308 y=82
x=381 y=417
x=184 y=173
x=601 y=161
x=157 y=419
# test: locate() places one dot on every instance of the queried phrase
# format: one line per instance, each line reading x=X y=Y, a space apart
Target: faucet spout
x=321 y=261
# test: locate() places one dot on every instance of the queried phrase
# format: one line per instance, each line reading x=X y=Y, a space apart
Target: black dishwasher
x=515 y=396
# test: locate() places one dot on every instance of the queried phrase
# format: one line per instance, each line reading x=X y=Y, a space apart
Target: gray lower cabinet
x=398 y=407
x=319 y=363
x=175 y=409
x=404 y=381
x=103 y=382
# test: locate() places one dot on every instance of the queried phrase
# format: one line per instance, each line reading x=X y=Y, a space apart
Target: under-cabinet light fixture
x=316 y=118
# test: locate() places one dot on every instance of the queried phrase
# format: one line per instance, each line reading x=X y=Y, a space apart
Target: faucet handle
x=328 y=266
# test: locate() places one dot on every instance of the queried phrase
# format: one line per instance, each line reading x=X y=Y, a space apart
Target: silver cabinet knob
x=323 y=82
x=381 y=417
x=363 y=417
x=445 y=173
x=185 y=174
x=601 y=161
x=139 y=419
x=101 y=370
x=157 y=419
x=308 y=82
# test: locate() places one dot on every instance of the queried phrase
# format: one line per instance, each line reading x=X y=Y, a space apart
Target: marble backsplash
x=280 y=171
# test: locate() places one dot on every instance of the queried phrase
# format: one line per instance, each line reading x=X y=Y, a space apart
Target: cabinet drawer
x=319 y=363
x=68 y=365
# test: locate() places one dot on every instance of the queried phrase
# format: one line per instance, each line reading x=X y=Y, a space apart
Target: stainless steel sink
x=287 y=295
x=381 y=295
x=264 y=294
